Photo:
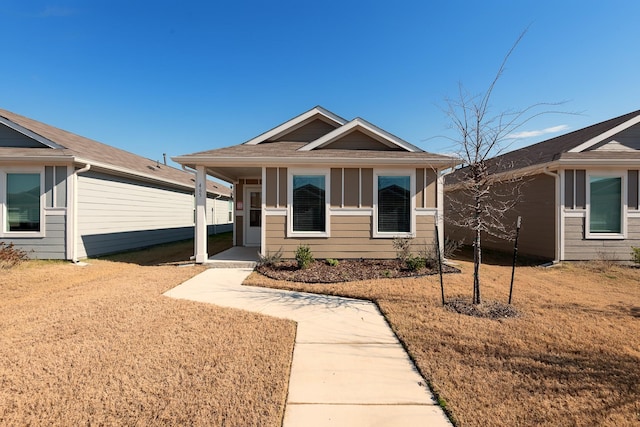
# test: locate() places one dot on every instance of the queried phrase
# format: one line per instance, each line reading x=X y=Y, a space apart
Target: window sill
x=22 y=234
x=378 y=235
x=605 y=236
x=317 y=234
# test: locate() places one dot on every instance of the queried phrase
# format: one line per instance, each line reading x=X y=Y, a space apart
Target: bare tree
x=481 y=203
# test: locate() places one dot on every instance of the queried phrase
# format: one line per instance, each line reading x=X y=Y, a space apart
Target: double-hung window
x=606 y=205
x=393 y=213
x=23 y=210
x=308 y=209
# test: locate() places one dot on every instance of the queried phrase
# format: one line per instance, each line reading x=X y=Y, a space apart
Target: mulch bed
x=488 y=309
x=346 y=271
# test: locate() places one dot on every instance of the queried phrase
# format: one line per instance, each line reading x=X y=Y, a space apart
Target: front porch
x=235 y=257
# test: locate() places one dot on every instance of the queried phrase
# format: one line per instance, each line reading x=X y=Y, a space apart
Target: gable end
x=306 y=132
x=357 y=140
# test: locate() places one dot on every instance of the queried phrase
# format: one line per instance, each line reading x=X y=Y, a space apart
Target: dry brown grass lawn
x=571 y=359
x=100 y=345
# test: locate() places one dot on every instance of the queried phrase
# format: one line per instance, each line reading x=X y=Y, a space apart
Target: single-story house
x=580 y=193
x=344 y=187
x=63 y=196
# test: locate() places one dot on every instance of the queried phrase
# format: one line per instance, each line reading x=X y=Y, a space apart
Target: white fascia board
x=295 y=123
x=26 y=132
x=212 y=162
x=368 y=128
x=593 y=141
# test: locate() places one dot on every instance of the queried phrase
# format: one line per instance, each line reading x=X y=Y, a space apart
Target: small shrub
x=304 y=257
x=635 y=254
x=415 y=263
x=10 y=256
x=270 y=259
x=332 y=262
x=402 y=245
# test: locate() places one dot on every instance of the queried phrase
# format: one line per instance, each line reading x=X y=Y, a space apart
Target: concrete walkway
x=348 y=367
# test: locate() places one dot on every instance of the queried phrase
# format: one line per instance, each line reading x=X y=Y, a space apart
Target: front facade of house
x=345 y=188
x=66 y=197
x=580 y=199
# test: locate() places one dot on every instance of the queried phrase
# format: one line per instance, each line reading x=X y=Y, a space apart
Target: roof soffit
x=296 y=123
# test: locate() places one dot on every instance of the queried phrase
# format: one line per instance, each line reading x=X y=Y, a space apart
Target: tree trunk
x=477 y=253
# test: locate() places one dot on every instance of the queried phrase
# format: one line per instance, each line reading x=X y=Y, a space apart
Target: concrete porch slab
x=235 y=257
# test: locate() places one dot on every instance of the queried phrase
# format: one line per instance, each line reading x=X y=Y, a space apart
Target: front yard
x=571 y=358
x=100 y=345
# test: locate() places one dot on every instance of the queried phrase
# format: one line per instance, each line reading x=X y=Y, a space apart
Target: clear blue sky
x=186 y=76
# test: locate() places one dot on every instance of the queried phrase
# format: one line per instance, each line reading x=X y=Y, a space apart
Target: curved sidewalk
x=348 y=367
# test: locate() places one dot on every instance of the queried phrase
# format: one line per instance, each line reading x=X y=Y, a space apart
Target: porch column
x=201 y=216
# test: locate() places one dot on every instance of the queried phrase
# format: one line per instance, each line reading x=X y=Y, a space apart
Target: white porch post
x=201 y=216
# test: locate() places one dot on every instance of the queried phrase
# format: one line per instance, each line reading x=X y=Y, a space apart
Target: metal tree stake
x=515 y=255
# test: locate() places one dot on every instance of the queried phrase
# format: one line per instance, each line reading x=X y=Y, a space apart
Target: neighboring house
x=581 y=192
x=63 y=196
x=346 y=188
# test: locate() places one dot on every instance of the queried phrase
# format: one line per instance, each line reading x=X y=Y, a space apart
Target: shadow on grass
x=499 y=258
x=171 y=253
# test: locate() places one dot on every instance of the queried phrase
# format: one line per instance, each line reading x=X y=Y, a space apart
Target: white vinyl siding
x=117 y=208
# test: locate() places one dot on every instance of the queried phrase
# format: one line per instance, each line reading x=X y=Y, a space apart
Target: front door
x=253 y=216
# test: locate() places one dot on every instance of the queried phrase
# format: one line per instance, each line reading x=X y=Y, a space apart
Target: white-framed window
x=394 y=204
x=308 y=209
x=606 y=216
x=22 y=203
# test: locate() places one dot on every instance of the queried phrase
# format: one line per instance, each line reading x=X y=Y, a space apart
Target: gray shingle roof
x=85 y=149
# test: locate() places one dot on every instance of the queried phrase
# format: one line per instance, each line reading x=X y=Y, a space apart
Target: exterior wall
x=351 y=210
x=309 y=132
x=538 y=212
x=577 y=247
x=51 y=244
x=117 y=214
x=359 y=141
x=350 y=238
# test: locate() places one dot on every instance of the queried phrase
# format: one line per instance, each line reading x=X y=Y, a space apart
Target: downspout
x=74 y=243
x=559 y=214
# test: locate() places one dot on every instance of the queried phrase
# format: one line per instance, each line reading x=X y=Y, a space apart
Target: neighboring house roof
x=55 y=144
x=581 y=145
x=316 y=137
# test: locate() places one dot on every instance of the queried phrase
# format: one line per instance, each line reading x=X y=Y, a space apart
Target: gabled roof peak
x=370 y=129
x=297 y=122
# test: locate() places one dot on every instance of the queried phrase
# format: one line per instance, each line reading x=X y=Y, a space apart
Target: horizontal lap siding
x=350 y=238
x=53 y=246
x=116 y=214
x=577 y=248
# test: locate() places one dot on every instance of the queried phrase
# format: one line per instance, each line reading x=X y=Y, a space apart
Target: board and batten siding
x=350 y=238
x=116 y=214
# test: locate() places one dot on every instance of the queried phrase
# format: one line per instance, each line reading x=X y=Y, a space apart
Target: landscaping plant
x=304 y=257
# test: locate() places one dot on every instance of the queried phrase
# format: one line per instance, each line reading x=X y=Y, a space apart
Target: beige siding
x=350 y=238
x=537 y=208
x=577 y=248
x=432 y=188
